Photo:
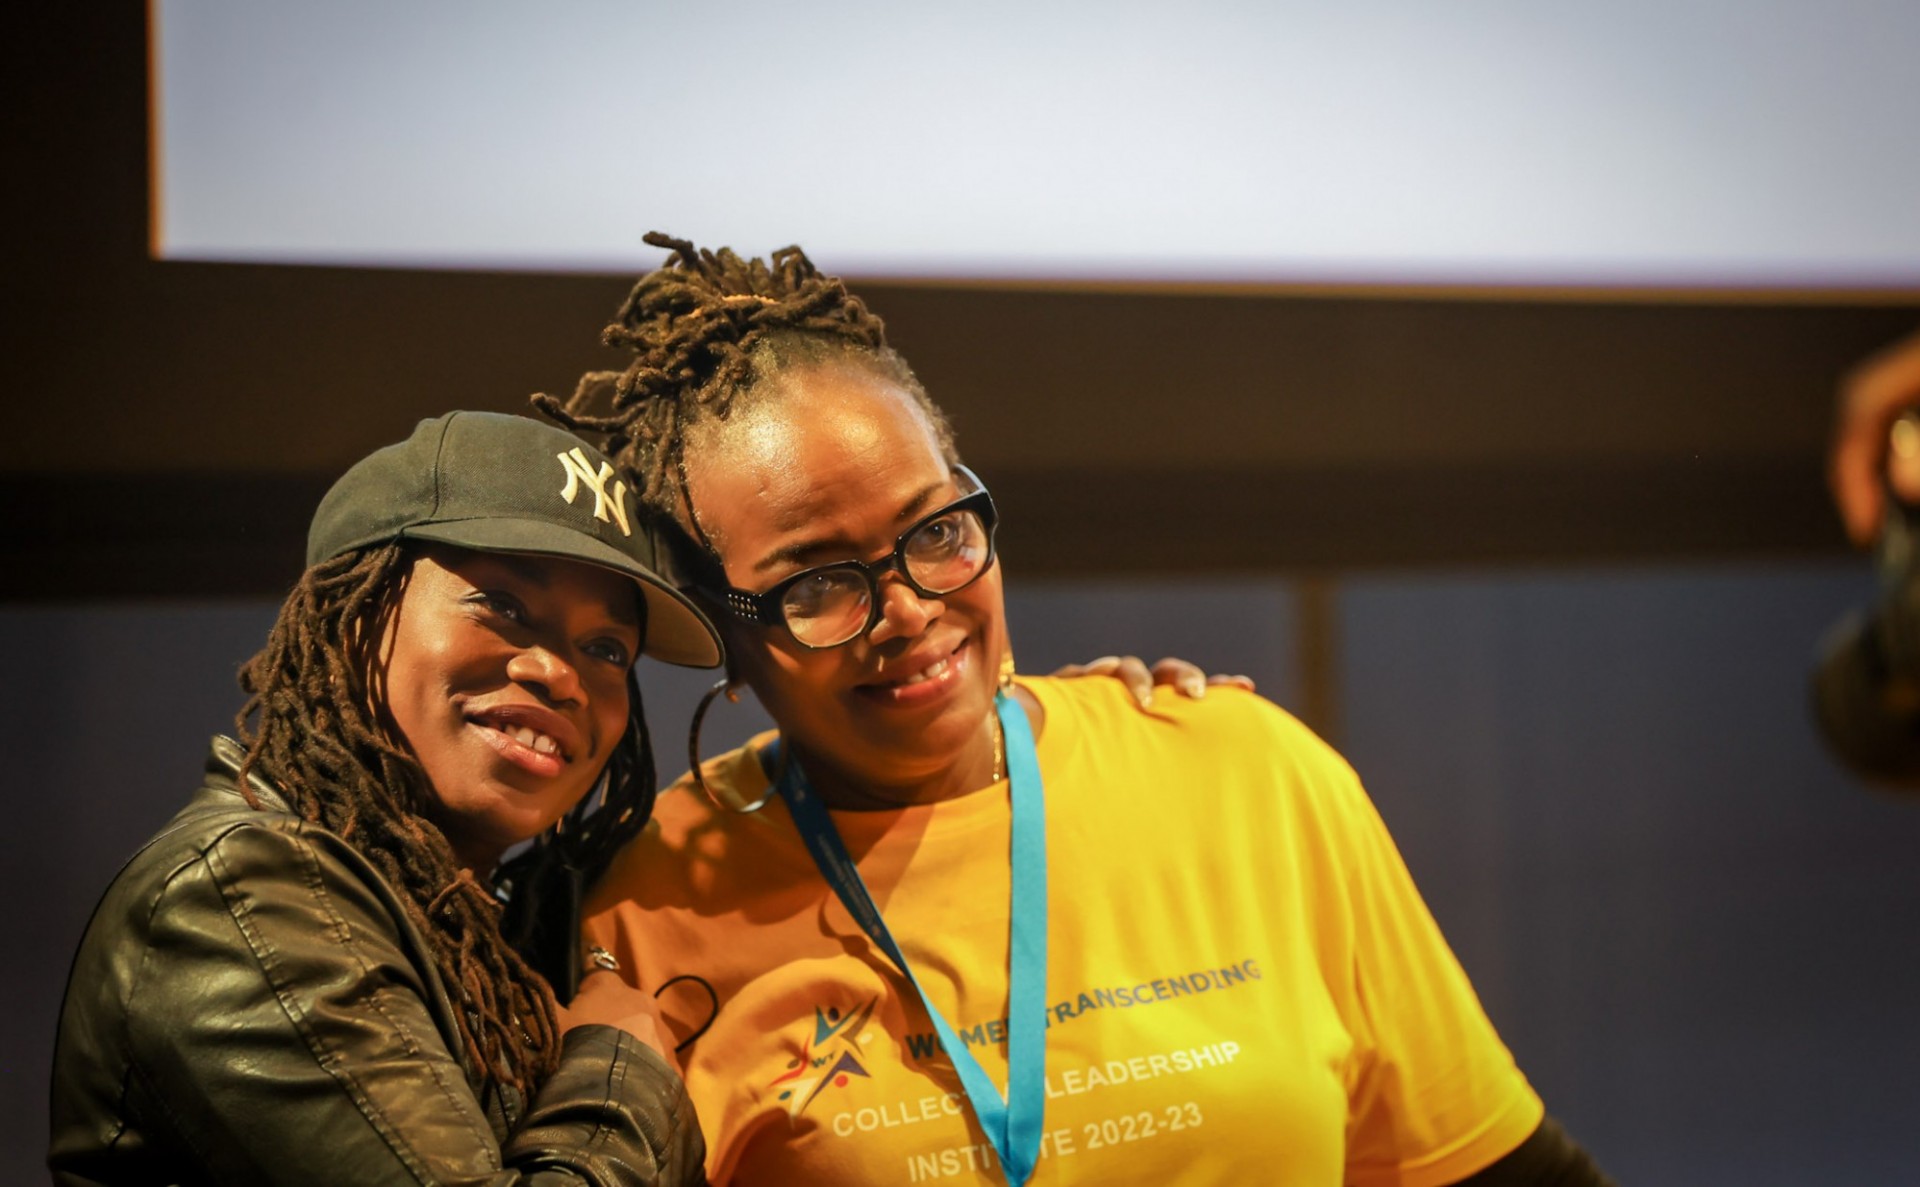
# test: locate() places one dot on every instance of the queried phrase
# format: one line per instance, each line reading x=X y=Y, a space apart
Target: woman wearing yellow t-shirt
x=948 y=925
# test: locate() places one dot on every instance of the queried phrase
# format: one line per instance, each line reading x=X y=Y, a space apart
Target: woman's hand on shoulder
x=605 y=1000
x=1131 y=670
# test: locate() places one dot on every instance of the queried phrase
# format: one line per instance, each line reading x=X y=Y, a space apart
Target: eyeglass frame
x=764 y=608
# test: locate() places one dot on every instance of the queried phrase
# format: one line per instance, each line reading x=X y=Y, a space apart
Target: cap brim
x=677 y=632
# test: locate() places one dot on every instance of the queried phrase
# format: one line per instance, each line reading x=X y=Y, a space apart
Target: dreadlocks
x=706 y=329
x=312 y=727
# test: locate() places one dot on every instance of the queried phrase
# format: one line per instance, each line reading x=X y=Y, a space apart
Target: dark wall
x=1144 y=430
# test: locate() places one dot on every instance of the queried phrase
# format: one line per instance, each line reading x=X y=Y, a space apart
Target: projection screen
x=1763 y=144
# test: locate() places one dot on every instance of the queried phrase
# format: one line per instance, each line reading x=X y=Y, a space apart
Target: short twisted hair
x=708 y=328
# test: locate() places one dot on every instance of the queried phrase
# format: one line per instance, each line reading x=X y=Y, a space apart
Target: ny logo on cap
x=579 y=471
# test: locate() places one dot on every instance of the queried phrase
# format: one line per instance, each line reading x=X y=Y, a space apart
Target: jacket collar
x=224 y=757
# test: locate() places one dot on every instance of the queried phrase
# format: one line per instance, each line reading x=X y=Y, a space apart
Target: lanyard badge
x=1013 y=1122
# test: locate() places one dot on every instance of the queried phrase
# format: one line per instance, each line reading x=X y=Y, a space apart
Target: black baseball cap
x=499 y=483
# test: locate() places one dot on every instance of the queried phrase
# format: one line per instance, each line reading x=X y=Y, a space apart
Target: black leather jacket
x=250 y=1005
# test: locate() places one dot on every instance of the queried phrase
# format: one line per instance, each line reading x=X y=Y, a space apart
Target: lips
x=927 y=674
x=530 y=736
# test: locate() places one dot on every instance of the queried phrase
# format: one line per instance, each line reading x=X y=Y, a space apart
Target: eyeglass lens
x=834 y=604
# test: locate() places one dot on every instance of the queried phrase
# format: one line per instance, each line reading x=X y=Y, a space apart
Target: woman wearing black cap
x=303 y=977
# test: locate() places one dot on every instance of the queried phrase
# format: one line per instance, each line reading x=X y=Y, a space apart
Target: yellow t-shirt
x=1244 y=985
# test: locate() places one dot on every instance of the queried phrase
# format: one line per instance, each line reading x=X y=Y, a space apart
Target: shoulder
x=220 y=820
x=221 y=865
x=1228 y=725
x=693 y=845
x=1232 y=759
x=699 y=872
x=223 y=905
x=218 y=836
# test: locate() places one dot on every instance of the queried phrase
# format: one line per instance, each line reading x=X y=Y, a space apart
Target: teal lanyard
x=1012 y=1124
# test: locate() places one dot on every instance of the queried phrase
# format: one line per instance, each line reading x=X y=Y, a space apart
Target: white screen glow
x=1636 y=142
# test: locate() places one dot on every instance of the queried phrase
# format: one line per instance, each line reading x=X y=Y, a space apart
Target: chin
x=506 y=819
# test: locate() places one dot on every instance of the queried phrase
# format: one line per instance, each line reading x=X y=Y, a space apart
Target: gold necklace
x=999 y=748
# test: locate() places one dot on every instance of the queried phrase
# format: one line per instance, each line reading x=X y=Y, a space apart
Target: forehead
x=827 y=441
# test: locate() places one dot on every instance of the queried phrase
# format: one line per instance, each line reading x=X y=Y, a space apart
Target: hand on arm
x=605 y=1000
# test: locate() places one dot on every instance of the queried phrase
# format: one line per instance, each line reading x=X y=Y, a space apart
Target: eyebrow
x=524 y=567
x=802 y=550
x=625 y=612
x=629 y=612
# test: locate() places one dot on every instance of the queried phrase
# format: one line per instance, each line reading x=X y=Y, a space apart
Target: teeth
x=533 y=739
x=926 y=674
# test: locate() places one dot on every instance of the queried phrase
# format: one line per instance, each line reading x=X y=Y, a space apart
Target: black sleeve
x=614 y=1106
x=282 y=1033
x=1547 y=1159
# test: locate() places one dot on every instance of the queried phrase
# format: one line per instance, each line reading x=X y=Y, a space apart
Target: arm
x=614 y=1112
x=1547 y=1159
x=1434 y=1096
x=1872 y=397
x=282 y=1030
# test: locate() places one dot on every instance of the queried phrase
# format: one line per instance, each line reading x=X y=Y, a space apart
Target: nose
x=903 y=613
x=543 y=666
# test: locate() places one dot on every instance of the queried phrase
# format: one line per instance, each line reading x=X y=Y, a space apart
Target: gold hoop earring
x=732 y=691
x=1006 y=669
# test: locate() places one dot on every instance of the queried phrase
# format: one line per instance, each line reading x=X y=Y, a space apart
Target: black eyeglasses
x=942 y=553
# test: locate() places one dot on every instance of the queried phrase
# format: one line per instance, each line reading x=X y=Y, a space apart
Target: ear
x=733 y=633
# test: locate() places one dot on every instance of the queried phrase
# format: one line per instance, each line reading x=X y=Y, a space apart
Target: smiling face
x=833 y=465
x=506 y=675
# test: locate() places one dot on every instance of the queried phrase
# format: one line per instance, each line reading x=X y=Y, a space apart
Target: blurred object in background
x=1866 y=687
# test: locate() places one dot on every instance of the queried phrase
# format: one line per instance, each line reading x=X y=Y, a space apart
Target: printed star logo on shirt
x=829 y=1056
